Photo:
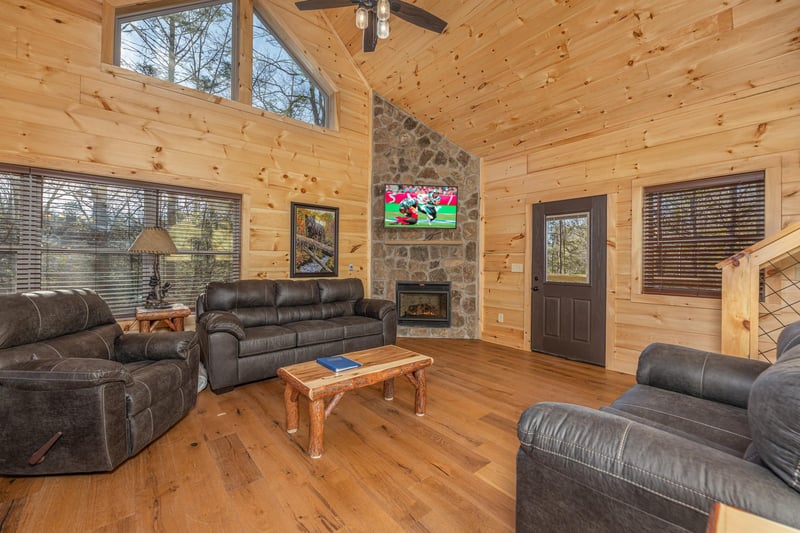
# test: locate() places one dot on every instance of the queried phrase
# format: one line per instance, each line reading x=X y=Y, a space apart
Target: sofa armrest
x=63 y=374
x=153 y=346
x=707 y=375
x=222 y=321
x=652 y=471
x=374 y=307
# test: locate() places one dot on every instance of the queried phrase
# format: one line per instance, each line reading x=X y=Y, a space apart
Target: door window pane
x=567 y=248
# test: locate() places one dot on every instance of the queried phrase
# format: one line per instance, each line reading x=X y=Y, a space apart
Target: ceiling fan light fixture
x=383 y=10
x=383 y=29
x=362 y=18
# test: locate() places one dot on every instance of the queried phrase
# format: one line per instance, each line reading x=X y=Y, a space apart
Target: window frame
x=771 y=166
x=152 y=194
x=241 y=83
x=126 y=15
x=282 y=39
x=691 y=280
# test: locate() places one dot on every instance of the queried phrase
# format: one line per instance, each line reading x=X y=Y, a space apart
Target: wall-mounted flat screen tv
x=420 y=206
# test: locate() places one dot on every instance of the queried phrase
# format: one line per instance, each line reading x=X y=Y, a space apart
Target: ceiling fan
x=372 y=16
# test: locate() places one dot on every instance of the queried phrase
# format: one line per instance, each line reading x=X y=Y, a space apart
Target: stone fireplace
x=423 y=304
x=405 y=150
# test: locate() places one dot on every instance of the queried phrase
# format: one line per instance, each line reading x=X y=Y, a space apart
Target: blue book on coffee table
x=338 y=363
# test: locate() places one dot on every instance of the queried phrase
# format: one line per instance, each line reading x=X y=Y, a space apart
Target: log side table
x=319 y=384
x=172 y=316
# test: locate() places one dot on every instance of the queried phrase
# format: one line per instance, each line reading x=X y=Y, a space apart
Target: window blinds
x=689 y=227
x=72 y=231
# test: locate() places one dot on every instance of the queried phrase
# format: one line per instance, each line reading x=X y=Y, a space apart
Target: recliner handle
x=39 y=455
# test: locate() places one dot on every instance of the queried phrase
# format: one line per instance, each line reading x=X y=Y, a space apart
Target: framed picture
x=315 y=241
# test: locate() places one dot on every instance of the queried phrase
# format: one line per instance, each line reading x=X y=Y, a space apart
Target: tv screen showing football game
x=420 y=206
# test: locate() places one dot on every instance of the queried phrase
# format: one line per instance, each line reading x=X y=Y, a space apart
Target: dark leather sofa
x=698 y=427
x=66 y=367
x=248 y=329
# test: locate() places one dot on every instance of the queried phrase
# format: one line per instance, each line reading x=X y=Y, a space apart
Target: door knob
x=536 y=288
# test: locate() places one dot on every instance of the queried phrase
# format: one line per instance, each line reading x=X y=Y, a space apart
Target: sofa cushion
x=222 y=296
x=774 y=421
x=152 y=382
x=788 y=339
x=297 y=313
x=673 y=430
x=292 y=293
x=36 y=316
x=721 y=423
x=266 y=339
x=792 y=352
x=316 y=331
x=358 y=326
x=95 y=343
x=340 y=290
x=334 y=309
x=256 y=316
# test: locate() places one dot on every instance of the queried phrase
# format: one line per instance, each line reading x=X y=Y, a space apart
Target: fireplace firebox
x=423 y=303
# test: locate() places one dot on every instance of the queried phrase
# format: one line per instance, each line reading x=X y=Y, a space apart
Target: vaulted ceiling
x=511 y=75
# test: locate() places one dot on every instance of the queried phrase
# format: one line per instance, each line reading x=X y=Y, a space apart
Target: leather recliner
x=697 y=428
x=78 y=395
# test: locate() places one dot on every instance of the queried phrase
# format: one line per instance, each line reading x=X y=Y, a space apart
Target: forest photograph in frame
x=315 y=241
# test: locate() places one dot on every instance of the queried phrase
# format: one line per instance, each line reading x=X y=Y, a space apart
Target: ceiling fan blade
x=371 y=33
x=306 y=5
x=418 y=16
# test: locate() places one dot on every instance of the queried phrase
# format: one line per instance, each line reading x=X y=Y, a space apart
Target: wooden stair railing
x=740 y=290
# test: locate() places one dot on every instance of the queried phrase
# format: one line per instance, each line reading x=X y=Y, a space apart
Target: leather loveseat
x=77 y=392
x=248 y=329
x=698 y=427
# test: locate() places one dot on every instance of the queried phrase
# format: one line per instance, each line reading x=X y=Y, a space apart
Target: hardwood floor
x=230 y=465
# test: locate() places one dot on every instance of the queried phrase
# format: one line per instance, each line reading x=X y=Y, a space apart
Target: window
x=280 y=84
x=70 y=231
x=689 y=227
x=193 y=45
x=567 y=248
x=189 y=45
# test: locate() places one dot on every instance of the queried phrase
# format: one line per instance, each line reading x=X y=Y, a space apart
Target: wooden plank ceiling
x=511 y=75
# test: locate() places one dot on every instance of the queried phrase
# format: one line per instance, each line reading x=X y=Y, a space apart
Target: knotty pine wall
x=716 y=110
x=62 y=108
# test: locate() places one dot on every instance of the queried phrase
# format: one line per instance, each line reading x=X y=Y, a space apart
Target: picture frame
x=315 y=241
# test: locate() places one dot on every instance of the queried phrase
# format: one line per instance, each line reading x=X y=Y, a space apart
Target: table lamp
x=155 y=241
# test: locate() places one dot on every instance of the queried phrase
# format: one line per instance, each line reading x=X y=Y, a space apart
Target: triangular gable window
x=192 y=45
x=280 y=84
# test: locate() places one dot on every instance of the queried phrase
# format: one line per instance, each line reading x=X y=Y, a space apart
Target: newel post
x=737 y=302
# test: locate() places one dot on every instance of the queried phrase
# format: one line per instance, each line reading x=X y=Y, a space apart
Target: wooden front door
x=569 y=279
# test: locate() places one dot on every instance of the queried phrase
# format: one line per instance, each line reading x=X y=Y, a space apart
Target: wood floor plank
x=229 y=465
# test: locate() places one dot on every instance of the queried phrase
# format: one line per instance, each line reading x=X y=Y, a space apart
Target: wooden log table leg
x=422 y=392
x=388 y=389
x=316 y=421
x=290 y=399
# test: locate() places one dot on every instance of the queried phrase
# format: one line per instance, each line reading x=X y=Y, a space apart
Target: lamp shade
x=153 y=241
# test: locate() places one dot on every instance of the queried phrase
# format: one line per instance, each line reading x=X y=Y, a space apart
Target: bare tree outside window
x=74 y=231
x=280 y=84
x=191 y=47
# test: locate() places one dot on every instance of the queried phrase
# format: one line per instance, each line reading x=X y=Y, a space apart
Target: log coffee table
x=319 y=384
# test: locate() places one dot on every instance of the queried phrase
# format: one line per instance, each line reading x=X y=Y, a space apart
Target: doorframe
x=612 y=200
